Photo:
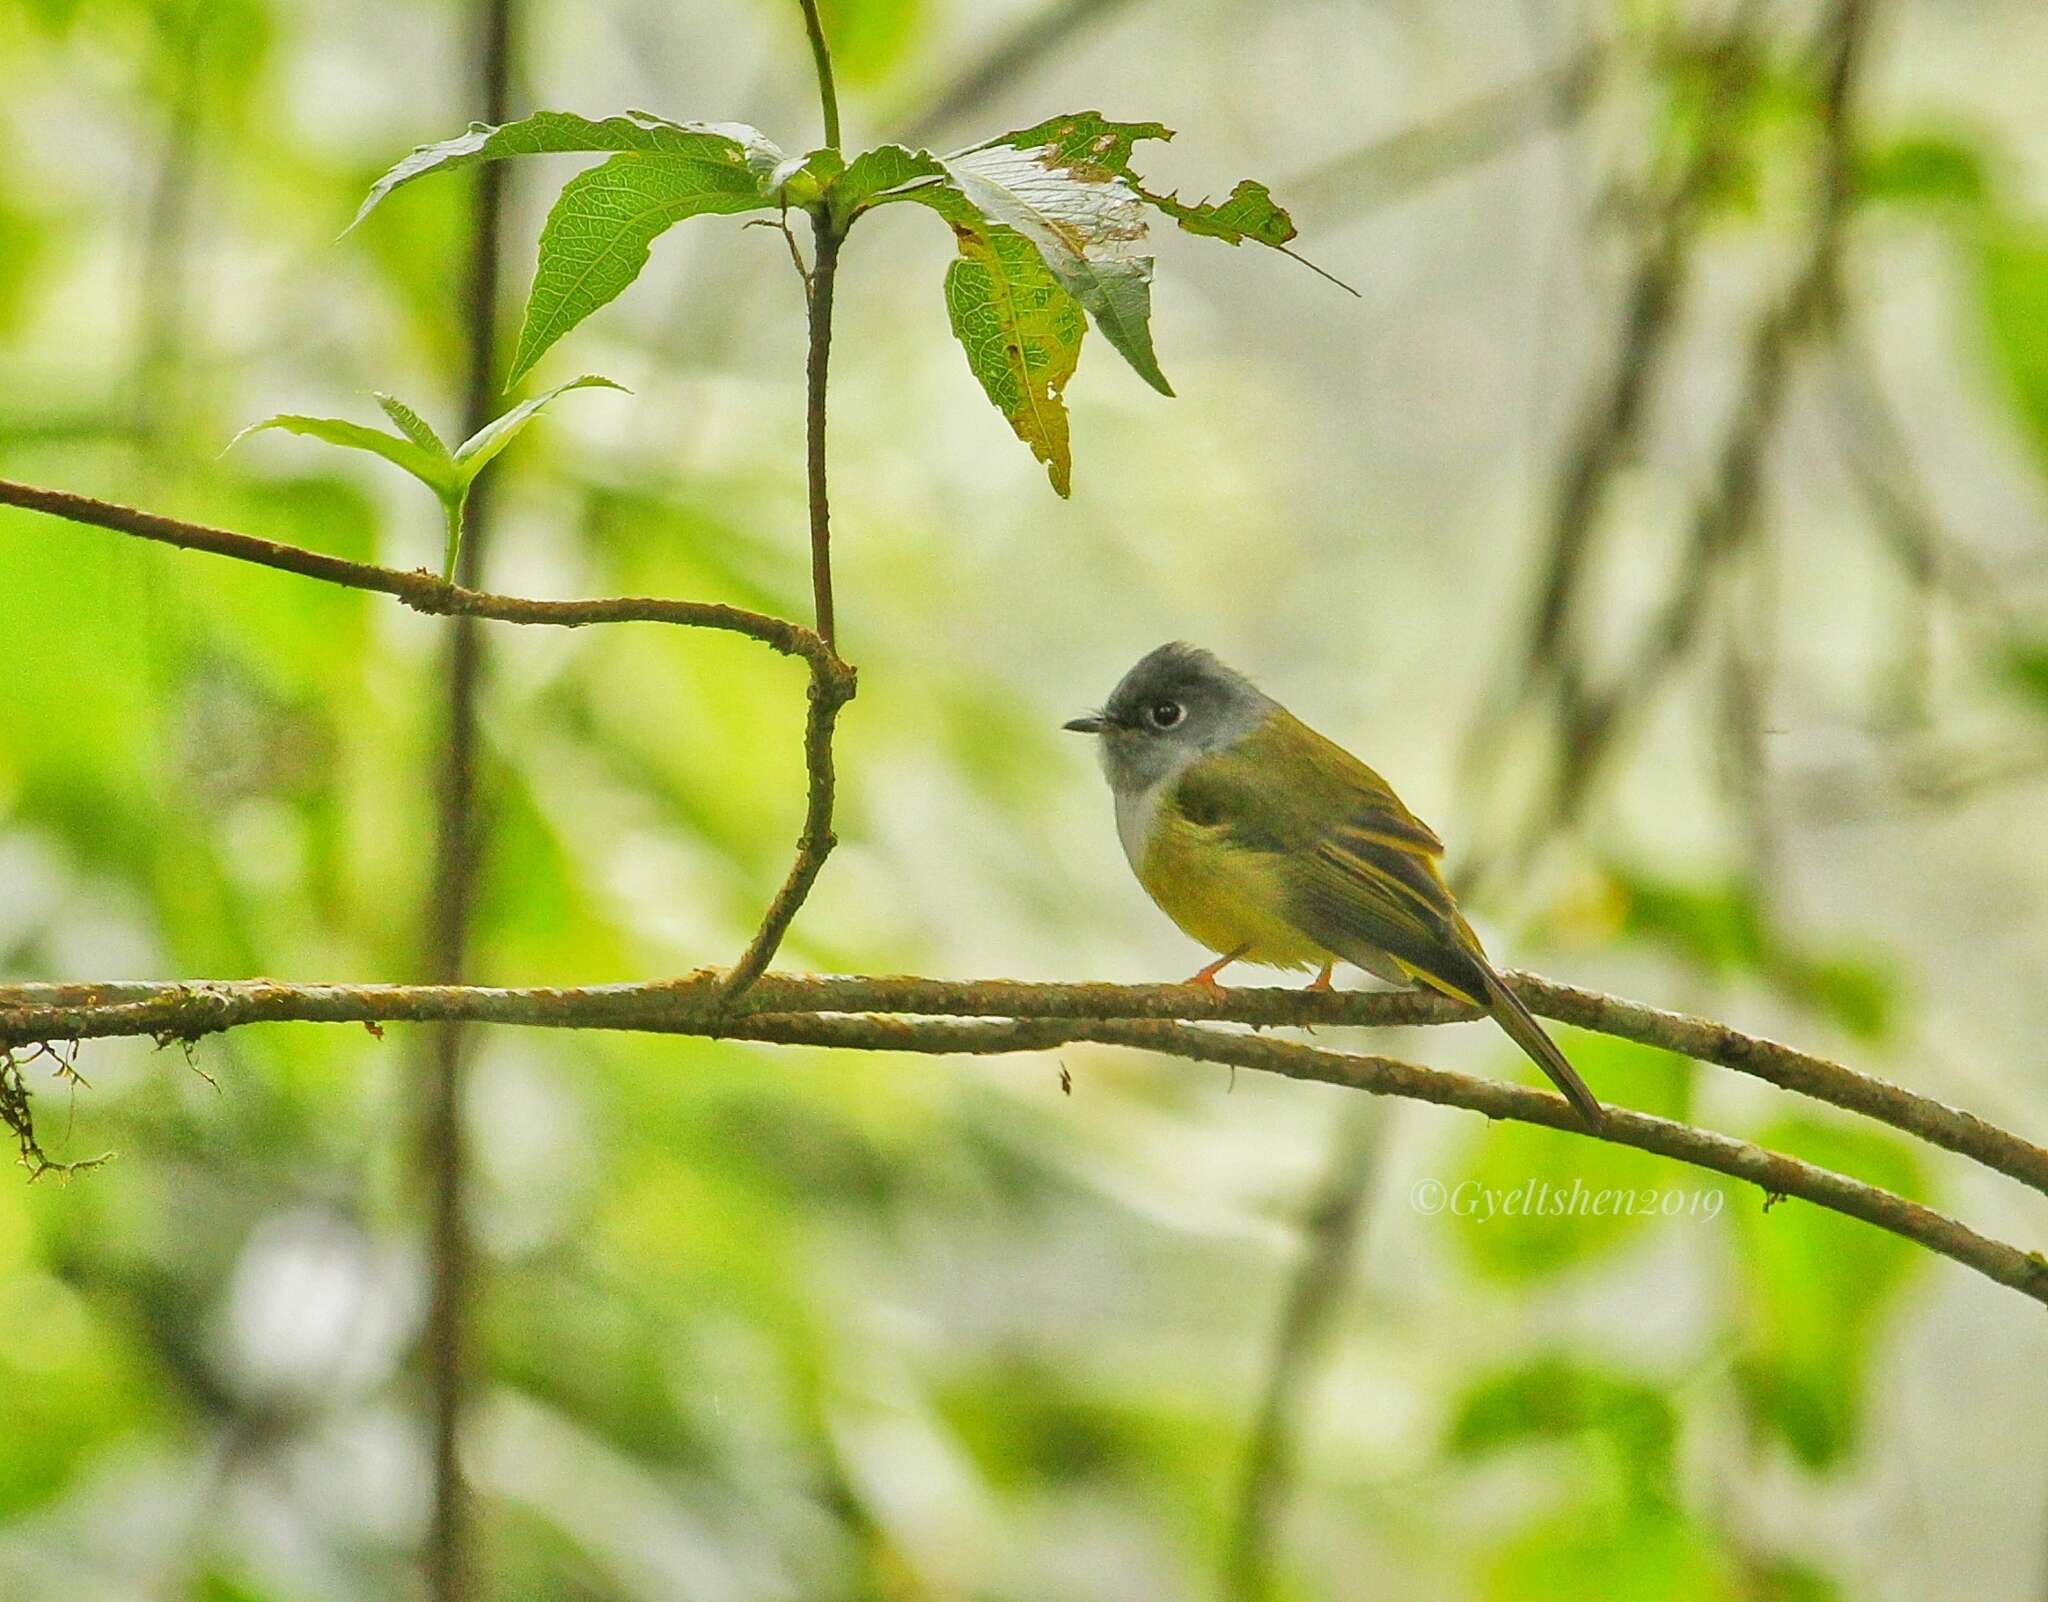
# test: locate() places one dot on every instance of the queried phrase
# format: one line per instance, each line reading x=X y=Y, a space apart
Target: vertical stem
x=828 y=97
x=448 y=1558
x=452 y=551
x=824 y=267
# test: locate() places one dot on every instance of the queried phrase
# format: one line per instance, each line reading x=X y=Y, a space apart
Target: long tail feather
x=1523 y=1029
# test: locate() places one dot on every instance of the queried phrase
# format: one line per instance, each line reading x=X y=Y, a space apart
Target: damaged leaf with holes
x=1065 y=187
x=1022 y=334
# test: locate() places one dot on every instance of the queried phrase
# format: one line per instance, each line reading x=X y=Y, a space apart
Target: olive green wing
x=1361 y=869
x=1361 y=872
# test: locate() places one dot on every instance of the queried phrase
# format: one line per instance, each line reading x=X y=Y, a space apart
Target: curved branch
x=699 y=1003
x=814 y=844
x=421 y=590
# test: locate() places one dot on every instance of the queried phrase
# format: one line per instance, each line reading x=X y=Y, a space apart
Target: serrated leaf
x=598 y=235
x=436 y=472
x=555 y=132
x=476 y=452
x=1064 y=186
x=411 y=424
x=877 y=177
x=1022 y=335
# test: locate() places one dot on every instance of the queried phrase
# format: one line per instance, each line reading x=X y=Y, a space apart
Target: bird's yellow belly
x=1227 y=898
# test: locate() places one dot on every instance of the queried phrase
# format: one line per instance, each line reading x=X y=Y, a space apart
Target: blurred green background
x=756 y=1323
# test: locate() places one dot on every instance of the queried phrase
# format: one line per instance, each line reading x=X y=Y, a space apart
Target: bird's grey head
x=1177 y=704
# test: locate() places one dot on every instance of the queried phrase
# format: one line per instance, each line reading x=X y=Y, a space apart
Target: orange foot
x=1206 y=979
x=1322 y=980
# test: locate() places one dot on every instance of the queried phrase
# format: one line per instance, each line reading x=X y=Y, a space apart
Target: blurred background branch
x=462 y=801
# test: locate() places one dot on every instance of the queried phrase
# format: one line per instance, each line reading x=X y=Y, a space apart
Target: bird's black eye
x=1164 y=714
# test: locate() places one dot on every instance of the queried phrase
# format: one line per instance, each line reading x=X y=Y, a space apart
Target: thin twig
x=829 y=691
x=1727 y=517
x=698 y=1003
x=814 y=844
x=1613 y=414
x=825 y=240
x=421 y=590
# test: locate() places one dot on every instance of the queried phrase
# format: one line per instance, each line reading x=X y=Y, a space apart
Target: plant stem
x=824 y=267
x=452 y=551
x=828 y=97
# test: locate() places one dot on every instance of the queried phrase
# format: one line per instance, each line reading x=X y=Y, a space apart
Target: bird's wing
x=1360 y=868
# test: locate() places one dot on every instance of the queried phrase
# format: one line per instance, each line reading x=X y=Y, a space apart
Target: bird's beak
x=1094 y=723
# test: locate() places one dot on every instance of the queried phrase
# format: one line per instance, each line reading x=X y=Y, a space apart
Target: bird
x=1271 y=844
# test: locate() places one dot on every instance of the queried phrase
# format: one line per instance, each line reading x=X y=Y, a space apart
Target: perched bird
x=1269 y=844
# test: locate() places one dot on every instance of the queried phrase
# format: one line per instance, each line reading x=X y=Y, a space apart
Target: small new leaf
x=431 y=466
x=1022 y=333
x=475 y=453
x=413 y=426
x=877 y=177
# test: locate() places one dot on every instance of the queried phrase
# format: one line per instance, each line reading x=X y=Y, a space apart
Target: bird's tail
x=1523 y=1029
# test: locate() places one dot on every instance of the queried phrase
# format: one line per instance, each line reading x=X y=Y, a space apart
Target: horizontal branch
x=700 y=1004
x=1001 y=1016
x=424 y=592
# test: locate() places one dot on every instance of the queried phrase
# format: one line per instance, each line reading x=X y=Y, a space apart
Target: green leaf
x=476 y=452
x=1655 y=1553
x=411 y=424
x=1530 y=1203
x=1922 y=169
x=2013 y=286
x=1816 y=1286
x=1248 y=212
x=802 y=181
x=1560 y=1398
x=437 y=472
x=2026 y=667
x=1022 y=334
x=1720 y=926
x=877 y=177
x=1064 y=186
x=596 y=238
x=553 y=132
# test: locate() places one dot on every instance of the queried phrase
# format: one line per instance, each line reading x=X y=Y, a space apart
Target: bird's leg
x=1207 y=977
x=1321 y=982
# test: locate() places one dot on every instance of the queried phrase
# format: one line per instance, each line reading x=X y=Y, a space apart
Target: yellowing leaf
x=1022 y=334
